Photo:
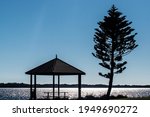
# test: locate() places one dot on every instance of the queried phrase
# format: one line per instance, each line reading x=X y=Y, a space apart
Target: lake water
x=24 y=93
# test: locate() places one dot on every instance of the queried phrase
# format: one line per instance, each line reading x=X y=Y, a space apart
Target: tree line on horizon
x=24 y=85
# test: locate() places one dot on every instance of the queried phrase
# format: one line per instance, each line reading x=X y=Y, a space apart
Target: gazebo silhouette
x=55 y=67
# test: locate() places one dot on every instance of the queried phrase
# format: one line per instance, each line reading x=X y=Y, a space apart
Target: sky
x=32 y=32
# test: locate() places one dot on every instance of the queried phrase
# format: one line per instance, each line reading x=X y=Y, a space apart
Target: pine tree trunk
x=111 y=74
x=109 y=87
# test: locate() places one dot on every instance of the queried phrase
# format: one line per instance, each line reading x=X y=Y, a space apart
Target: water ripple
x=24 y=93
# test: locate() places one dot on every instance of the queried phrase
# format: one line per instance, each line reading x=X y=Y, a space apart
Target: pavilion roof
x=55 y=67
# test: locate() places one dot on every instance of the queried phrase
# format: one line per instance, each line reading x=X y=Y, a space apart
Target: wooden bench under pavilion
x=55 y=67
x=49 y=96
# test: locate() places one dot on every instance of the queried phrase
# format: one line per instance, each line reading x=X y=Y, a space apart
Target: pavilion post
x=31 y=95
x=58 y=86
x=34 y=87
x=79 y=86
x=53 y=86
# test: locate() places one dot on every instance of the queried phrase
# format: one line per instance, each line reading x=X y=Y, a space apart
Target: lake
x=24 y=93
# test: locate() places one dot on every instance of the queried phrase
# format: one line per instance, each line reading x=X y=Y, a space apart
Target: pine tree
x=114 y=38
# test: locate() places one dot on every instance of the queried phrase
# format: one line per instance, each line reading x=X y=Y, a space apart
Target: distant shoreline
x=23 y=85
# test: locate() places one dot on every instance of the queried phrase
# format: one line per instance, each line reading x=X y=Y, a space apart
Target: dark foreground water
x=23 y=93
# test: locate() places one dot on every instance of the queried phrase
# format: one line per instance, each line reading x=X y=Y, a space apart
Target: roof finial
x=56 y=56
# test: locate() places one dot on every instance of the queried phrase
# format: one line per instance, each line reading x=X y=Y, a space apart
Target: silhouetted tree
x=113 y=40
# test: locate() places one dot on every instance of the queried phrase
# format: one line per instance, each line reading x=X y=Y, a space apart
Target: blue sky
x=34 y=31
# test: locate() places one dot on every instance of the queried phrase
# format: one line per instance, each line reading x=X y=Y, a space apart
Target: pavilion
x=55 y=67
